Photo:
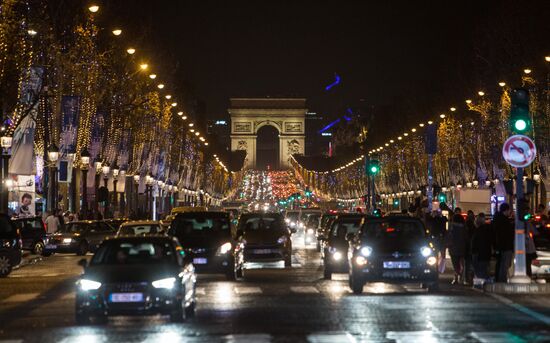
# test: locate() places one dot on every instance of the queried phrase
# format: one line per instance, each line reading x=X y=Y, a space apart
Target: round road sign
x=519 y=151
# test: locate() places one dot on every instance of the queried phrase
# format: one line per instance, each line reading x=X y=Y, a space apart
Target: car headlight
x=425 y=251
x=310 y=231
x=287 y=220
x=301 y=225
x=89 y=285
x=225 y=248
x=292 y=224
x=366 y=251
x=337 y=256
x=67 y=240
x=167 y=283
x=431 y=260
x=282 y=240
x=360 y=260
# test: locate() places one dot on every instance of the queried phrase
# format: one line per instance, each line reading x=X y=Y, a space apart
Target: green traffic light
x=374 y=169
x=527 y=216
x=520 y=125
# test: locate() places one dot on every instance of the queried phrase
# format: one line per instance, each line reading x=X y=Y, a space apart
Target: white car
x=540 y=267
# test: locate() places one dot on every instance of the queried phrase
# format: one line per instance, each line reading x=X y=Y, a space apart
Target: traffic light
x=520 y=118
x=374 y=167
x=442 y=197
x=523 y=210
x=377 y=213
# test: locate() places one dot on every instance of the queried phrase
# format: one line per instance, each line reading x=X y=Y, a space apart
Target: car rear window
x=129 y=252
x=139 y=229
x=74 y=227
x=344 y=226
x=261 y=222
x=393 y=230
x=200 y=224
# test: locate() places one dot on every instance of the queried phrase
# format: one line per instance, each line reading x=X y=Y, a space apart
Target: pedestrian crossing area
x=316 y=337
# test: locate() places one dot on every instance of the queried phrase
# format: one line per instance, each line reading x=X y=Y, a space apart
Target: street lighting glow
x=206 y=143
x=174 y=104
x=168 y=96
x=144 y=66
x=31 y=32
x=442 y=116
x=481 y=93
x=130 y=51
x=184 y=117
x=468 y=101
x=453 y=109
x=430 y=122
x=160 y=86
x=421 y=124
x=117 y=32
x=413 y=130
x=93 y=8
x=180 y=113
x=400 y=138
x=391 y=140
x=191 y=124
x=386 y=144
x=547 y=58
x=527 y=71
x=502 y=84
x=197 y=133
x=191 y=130
x=153 y=76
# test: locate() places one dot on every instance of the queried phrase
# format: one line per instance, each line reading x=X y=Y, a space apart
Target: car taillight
x=390 y=229
x=535 y=263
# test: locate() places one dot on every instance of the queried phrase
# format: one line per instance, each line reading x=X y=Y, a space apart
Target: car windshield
x=139 y=229
x=119 y=252
x=342 y=227
x=74 y=228
x=261 y=222
x=313 y=220
x=200 y=224
x=394 y=235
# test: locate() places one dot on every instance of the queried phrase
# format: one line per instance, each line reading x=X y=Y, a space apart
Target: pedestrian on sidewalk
x=481 y=250
x=439 y=234
x=468 y=276
x=503 y=229
x=456 y=243
x=52 y=222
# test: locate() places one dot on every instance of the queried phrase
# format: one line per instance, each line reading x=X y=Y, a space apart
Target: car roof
x=151 y=238
x=203 y=213
x=140 y=222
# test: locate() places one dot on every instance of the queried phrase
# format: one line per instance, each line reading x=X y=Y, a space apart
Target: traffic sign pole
x=520 y=267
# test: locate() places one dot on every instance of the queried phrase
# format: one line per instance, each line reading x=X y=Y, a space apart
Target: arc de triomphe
x=287 y=115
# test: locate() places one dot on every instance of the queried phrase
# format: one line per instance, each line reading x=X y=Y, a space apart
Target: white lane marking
x=246 y=338
x=247 y=290
x=201 y=291
x=330 y=337
x=496 y=337
x=539 y=316
x=20 y=297
x=304 y=289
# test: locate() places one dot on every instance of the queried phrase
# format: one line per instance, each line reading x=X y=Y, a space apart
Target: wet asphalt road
x=274 y=304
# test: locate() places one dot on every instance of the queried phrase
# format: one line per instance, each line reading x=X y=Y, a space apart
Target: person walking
x=439 y=234
x=52 y=223
x=530 y=248
x=468 y=269
x=481 y=245
x=504 y=241
x=456 y=243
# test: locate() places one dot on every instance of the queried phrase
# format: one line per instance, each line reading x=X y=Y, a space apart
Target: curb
x=517 y=288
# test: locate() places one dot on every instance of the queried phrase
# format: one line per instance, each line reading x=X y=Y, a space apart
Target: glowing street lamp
x=117 y=32
x=144 y=66
x=131 y=51
x=93 y=8
x=160 y=86
x=153 y=76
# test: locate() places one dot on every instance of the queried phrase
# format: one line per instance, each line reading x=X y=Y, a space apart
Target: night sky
x=409 y=58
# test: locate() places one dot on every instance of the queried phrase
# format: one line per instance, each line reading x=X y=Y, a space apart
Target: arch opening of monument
x=267 y=148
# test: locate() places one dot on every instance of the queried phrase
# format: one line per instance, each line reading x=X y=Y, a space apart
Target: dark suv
x=10 y=245
x=33 y=233
x=79 y=237
x=392 y=249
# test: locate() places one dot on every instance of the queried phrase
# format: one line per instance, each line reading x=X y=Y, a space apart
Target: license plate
x=200 y=260
x=126 y=297
x=262 y=251
x=51 y=246
x=397 y=264
x=401 y=274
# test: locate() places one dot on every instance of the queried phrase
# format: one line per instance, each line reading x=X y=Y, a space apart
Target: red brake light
x=537 y=218
x=535 y=263
x=390 y=229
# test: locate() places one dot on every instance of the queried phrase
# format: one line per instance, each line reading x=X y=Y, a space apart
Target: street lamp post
x=136 y=182
x=116 y=171
x=84 y=164
x=105 y=169
x=53 y=156
x=97 y=166
x=5 y=143
x=71 y=155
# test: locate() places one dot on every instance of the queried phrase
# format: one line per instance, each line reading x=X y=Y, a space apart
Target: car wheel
x=5 y=265
x=38 y=248
x=82 y=318
x=356 y=285
x=82 y=249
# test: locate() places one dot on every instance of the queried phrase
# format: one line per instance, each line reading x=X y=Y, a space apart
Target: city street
x=274 y=304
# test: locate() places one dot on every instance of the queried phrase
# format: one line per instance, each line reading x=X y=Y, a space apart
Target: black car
x=33 y=233
x=10 y=245
x=336 y=247
x=324 y=226
x=136 y=276
x=311 y=221
x=79 y=237
x=207 y=238
x=394 y=250
x=265 y=237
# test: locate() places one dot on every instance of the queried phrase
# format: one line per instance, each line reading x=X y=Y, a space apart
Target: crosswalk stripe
x=496 y=337
x=248 y=338
x=304 y=289
x=330 y=337
x=20 y=297
x=248 y=290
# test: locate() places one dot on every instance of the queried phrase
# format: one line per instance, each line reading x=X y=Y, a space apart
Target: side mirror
x=83 y=263
x=349 y=236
